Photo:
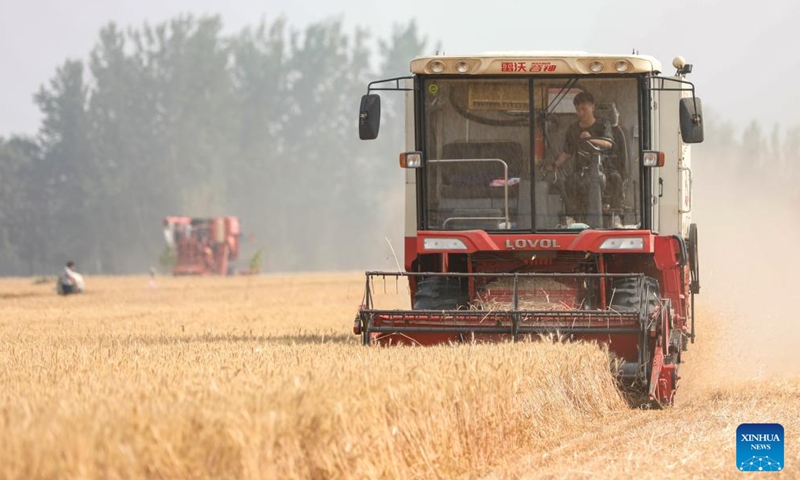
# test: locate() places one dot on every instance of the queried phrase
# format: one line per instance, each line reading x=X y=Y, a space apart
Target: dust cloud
x=747 y=317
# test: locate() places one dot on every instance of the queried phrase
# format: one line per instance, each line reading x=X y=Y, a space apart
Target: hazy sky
x=744 y=54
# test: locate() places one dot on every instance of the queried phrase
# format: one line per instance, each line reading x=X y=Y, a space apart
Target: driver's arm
x=606 y=132
x=561 y=159
x=570 y=144
x=601 y=143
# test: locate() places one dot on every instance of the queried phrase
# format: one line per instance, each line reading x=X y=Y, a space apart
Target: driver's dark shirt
x=572 y=141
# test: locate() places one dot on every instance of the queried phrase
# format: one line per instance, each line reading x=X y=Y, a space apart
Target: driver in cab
x=586 y=129
x=587 y=126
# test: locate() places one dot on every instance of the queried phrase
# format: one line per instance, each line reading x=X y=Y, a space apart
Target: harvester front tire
x=627 y=298
x=441 y=293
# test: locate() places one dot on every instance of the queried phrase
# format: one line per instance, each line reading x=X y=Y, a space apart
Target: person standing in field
x=70 y=281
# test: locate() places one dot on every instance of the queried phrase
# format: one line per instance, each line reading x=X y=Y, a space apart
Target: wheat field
x=261 y=377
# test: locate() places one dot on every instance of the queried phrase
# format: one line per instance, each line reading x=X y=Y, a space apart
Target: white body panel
x=411 y=173
x=673 y=213
x=654 y=201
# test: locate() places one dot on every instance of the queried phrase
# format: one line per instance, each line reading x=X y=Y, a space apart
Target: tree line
x=753 y=161
x=180 y=118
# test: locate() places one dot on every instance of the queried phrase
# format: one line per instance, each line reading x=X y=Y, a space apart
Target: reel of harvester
x=623 y=311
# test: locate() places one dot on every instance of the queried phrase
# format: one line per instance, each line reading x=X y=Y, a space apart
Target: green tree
x=753 y=150
x=23 y=202
x=66 y=170
x=256 y=182
x=318 y=166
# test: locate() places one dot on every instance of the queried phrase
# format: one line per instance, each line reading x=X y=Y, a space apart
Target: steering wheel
x=588 y=141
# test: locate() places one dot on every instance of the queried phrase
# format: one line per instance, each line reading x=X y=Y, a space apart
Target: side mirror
x=369 y=117
x=691 y=112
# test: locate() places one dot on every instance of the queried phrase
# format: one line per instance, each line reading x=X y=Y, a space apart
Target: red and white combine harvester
x=202 y=245
x=547 y=193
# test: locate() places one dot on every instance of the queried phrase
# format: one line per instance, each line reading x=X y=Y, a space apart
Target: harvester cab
x=202 y=246
x=547 y=193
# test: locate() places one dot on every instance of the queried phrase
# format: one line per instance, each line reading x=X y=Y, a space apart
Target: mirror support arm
x=696 y=119
x=396 y=87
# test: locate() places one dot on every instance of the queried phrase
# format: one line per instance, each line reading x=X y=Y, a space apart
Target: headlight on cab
x=436 y=66
x=623 y=243
x=596 y=66
x=651 y=158
x=443 y=244
x=411 y=159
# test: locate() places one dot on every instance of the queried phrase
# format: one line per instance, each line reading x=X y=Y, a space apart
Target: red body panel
x=583 y=241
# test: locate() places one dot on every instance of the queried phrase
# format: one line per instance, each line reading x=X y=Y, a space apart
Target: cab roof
x=537 y=63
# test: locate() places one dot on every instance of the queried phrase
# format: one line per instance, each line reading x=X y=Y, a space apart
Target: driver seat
x=618 y=156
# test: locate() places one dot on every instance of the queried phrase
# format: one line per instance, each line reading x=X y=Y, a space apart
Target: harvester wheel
x=626 y=296
x=441 y=293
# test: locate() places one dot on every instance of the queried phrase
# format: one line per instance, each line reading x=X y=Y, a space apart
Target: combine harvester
x=203 y=246
x=547 y=193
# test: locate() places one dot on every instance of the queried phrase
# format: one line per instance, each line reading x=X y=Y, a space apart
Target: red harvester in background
x=202 y=245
